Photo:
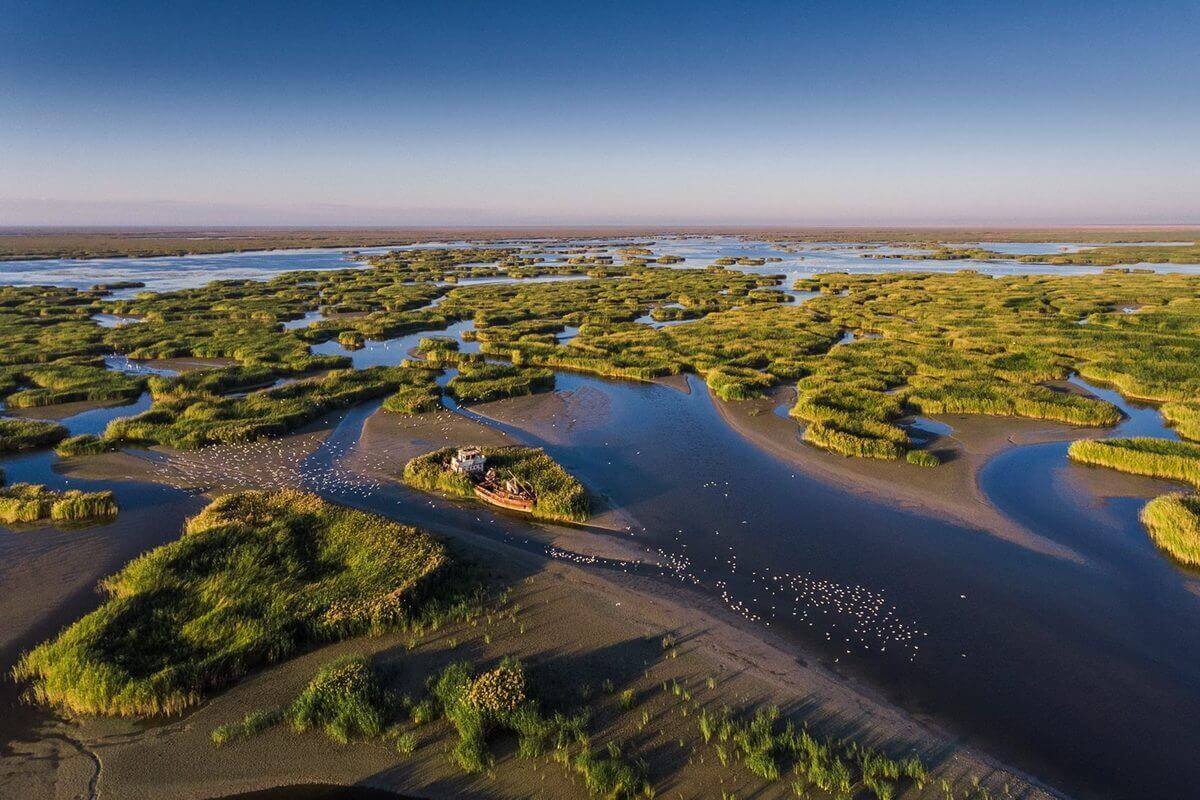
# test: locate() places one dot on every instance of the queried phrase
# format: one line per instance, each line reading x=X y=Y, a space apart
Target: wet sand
x=576 y=627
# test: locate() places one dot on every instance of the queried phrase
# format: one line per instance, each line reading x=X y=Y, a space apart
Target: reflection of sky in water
x=181 y=272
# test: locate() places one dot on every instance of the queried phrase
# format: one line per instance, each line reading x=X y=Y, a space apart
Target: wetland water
x=1085 y=672
x=166 y=273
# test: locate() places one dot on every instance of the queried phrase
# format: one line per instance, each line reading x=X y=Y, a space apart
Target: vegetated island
x=1122 y=254
x=256 y=577
x=32 y=503
x=1172 y=520
x=518 y=478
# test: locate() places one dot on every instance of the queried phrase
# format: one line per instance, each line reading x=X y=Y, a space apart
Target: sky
x=472 y=113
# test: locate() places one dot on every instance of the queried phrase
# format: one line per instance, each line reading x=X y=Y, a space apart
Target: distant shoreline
x=31 y=243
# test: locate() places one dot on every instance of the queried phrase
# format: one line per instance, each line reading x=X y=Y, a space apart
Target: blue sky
x=519 y=113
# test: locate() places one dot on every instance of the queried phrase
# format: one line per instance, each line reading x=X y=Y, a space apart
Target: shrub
x=922 y=458
x=344 y=699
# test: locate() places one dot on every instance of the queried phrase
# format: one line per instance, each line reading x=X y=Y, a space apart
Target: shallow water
x=303 y=322
x=134 y=367
x=166 y=273
x=390 y=352
x=48 y=574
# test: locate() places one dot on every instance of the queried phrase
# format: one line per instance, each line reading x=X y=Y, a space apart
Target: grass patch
x=557 y=495
x=85 y=444
x=27 y=502
x=28 y=434
x=256 y=577
x=496 y=701
x=1157 y=458
x=922 y=458
x=480 y=382
x=770 y=748
x=250 y=725
x=1173 y=522
x=344 y=699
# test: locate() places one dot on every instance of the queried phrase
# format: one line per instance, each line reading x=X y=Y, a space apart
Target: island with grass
x=256 y=578
x=28 y=503
x=518 y=478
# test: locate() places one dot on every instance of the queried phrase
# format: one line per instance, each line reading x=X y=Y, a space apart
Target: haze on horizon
x=664 y=113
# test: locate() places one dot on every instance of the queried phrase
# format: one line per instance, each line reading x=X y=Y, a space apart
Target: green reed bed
x=851 y=419
x=1157 y=458
x=85 y=444
x=256 y=577
x=30 y=503
x=1184 y=417
x=481 y=382
x=1122 y=254
x=28 y=434
x=60 y=382
x=190 y=421
x=1173 y=522
x=557 y=495
x=417 y=392
x=1001 y=398
x=226 y=380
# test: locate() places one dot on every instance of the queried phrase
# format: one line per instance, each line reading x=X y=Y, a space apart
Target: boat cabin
x=468 y=461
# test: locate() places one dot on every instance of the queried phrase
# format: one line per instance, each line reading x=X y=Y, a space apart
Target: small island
x=518 y=478
x=30 y=503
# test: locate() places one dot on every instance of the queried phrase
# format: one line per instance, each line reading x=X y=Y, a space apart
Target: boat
x=510 y=494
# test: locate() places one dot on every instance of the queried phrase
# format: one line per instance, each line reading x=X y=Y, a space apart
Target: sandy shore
x=575 y=627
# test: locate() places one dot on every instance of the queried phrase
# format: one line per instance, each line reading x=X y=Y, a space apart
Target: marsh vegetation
x=256 y=577
x=30 y=503
x=557 y=495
